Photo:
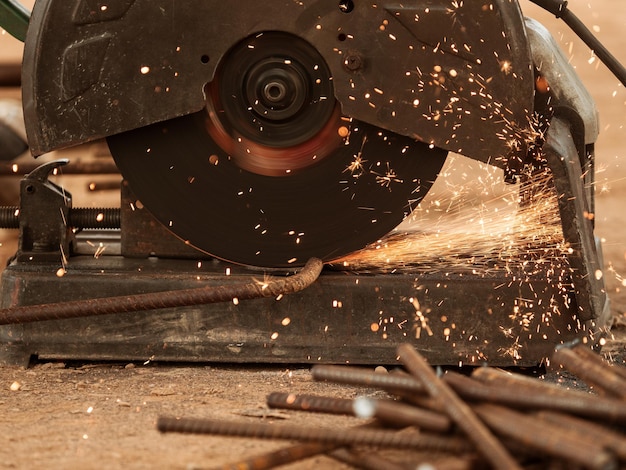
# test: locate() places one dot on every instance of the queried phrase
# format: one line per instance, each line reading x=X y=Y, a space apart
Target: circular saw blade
x=322 y=186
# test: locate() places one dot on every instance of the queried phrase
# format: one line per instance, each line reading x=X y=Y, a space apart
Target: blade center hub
x=273 y=89
x=276 y=90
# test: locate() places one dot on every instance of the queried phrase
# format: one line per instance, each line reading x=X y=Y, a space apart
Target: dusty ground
x=103 y=416
x=84 y=416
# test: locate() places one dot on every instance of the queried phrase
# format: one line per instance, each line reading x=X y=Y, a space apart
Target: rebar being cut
x=168 y=299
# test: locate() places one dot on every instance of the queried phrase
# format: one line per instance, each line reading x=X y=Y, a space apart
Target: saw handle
x=14 y=18
x=559 y=9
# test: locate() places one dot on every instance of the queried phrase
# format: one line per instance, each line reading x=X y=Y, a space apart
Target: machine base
x=344 y=317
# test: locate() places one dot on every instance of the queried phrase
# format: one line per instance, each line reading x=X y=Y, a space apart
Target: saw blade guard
x=456 y=75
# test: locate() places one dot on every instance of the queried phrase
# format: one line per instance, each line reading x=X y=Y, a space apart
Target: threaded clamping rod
x=79 y=217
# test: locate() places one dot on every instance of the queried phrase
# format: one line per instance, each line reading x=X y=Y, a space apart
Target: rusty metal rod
x=453 y=462
x=365 y=460
x=500 y=378
x=314 y=403
x=574 y=442
x=367 y=378
x=400 y=415
x=158 y=300
x=280 y=457
x=388 y=411
x=493 y=385
x=551 y=440
x=286 y=455
x=423 y=402
x=593 y=373
x=507 y=389
x=590 y=355
x=458 y=411
x=400 y=384
x=339 y=436
x=607 y=438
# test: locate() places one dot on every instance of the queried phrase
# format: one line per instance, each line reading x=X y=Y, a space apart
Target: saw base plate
x=342 y=318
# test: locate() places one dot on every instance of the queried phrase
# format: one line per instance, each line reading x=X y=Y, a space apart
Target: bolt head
x=353 y=62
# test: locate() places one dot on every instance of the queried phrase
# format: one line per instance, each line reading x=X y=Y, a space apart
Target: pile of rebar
x=488 y=419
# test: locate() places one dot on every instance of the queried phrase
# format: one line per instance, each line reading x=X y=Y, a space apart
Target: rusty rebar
x=507 y=389
x=300 y=452
x=591 y=372
x=313 y=403
x=400 y=414
x=607 y=438
x=367 y=378
x=503 y=379
x=158 y=300
x=280 y=457
x=339 y=436
x=551 y=440
x=365 y=460
x=389 y=412
x=458 y=411
x=450 y=462
x=590 y=355
x=286 y=455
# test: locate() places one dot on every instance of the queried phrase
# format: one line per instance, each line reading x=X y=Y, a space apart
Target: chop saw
x=255 y=136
